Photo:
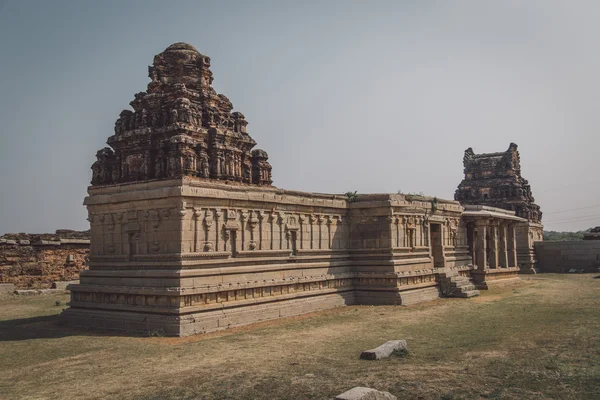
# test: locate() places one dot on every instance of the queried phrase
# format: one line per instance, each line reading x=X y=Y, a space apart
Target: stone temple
x=188 y=235
x=494 y=179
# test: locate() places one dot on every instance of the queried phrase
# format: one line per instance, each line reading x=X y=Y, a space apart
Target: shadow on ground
x=45 y=327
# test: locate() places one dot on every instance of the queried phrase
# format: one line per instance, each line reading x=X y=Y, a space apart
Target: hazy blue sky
x=373 y=96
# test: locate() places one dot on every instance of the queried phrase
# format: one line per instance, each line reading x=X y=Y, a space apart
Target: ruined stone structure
x=593 y=234
x=35 y=261
x=189 y=236
x=494 y=179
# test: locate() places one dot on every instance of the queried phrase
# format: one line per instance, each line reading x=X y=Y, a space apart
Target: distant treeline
x=553 y=235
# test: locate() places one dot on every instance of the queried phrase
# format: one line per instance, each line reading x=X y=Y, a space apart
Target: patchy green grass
x=537 y=340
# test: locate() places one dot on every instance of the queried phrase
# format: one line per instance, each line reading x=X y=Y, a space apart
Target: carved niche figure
x=261 y=169
x=116 y=170
x=101 y=169
x=182 y=157
x=123 y=123
x=159 y=164
x=247 y=170
x=239 y=122
x=183 y=109
x=203 y=164
x=174 y=116
x=144 y=121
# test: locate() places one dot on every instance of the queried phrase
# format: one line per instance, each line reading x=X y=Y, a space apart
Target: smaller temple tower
x=494 y=179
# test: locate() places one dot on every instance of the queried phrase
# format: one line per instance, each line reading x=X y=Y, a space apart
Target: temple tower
x=181 y=127
x=494 y=179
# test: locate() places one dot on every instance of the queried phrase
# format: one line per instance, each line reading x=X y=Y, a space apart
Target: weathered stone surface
x=35 y=261
x=33 y=292
x=364 y=393
x=189 y=236
x=7 y=288
x=63 y=285
x=385 y=350
x=494 y=179
x=181 y=127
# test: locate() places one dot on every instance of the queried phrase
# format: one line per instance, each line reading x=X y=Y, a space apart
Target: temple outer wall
x=189 y=256
x=566 y=255
x=392 y=249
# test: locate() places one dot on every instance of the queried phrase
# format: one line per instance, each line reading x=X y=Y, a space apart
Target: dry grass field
x=536 y=340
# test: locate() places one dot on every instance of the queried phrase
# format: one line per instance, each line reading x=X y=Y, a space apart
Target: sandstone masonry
x=189 y=236
x=494 y=179
x=36 y=261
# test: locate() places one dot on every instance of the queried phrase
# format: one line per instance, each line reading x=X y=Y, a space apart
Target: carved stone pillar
x=328 y=222
x=395 y=232
x=480 y=245
x=443 y=233
x=242 y=239
x=503 y=251
x=197 y=226
x=320 y=224
x=208 y=223
x=280 y=228
x=494 y=246
x=252 y=222
x=512 y=245
x=301 y=220
x=261 y=217
x=217 y=217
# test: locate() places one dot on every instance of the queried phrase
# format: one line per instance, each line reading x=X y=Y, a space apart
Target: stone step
x=448 y=274
x=467 y=294
x=466 y=282
x=464 y=289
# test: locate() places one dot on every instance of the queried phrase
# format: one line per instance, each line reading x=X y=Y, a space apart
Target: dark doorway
x=293 y=239
x=233 y=240
x=437 y=247
x=132 y=245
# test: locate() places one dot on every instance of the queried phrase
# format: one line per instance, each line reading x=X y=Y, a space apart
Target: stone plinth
x=485 y=279
x=188 y=256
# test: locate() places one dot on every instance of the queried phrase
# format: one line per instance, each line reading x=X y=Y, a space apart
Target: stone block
x=63 y=285
x=7 y=288
x=364 y=393
x=385 y=350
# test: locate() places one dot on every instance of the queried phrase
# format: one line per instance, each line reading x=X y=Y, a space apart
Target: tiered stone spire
x=494 y=179
x=181 y=127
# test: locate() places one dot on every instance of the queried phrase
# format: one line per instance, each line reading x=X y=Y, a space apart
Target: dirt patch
x=486 y=299
x=487 y=354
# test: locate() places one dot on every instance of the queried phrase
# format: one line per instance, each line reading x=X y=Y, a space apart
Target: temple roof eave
x=484 y=214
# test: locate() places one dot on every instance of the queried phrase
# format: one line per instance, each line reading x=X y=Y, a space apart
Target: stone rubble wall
x=563 y=256
x=36 y=261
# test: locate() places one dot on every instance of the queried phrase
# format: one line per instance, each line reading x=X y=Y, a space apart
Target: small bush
x=352 y=196
x=400 y=353
x=156 y=333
